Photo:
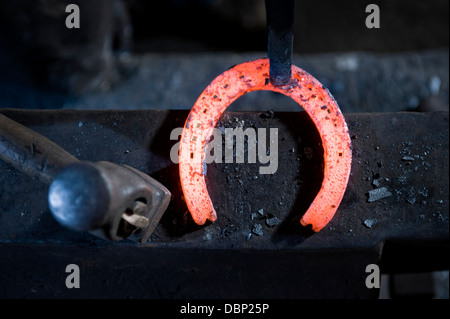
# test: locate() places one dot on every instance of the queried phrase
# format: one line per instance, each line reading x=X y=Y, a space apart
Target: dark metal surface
x=79 y=197
x=280 y=32
x=407 y=153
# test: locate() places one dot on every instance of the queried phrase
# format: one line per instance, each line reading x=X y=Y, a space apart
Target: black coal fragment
x=378 y=193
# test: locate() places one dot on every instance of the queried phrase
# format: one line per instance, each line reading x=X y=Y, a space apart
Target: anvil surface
x=257 y=240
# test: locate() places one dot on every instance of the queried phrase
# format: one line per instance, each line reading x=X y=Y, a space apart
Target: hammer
x=111 y=201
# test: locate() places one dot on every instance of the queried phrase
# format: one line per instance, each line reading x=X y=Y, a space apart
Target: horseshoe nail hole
x=192 y=155
x=205 y=110
x=340 y=154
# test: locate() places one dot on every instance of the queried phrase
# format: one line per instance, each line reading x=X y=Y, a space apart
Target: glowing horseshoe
x=306 y=91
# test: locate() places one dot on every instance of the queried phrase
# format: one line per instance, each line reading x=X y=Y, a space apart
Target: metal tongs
x=280 y=31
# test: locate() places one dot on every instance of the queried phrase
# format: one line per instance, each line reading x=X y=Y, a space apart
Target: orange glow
x=306 y=91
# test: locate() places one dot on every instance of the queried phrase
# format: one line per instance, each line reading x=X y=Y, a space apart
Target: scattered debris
x=441 y=218
x=378 y=193
x=410 y=197
x=257 y=230
x=370 y=222
x=227 y=231
x=258 y=215
x=407 y=158
x=80 y=124
x=272 y=221
x=402 y=179
x=207 y=237
x=423 y=191
x=376 y=182
x=249 y=235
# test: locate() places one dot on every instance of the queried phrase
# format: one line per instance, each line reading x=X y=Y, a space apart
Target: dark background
x=45 y=65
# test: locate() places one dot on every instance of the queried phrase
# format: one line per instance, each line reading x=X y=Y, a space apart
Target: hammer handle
x=30 y=152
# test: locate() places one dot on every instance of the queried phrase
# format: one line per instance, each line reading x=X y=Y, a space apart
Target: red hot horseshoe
x=306 y=91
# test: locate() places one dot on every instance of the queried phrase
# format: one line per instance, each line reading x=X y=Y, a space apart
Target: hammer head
x=111 y=201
